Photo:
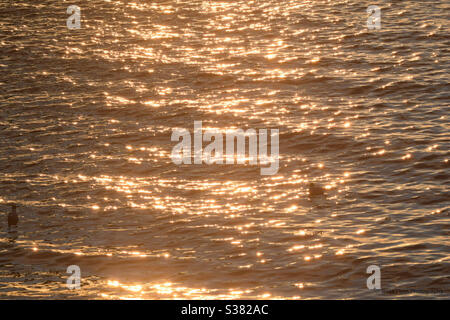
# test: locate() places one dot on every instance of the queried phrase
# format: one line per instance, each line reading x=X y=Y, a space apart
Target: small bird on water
x=13 y=218
x=315 y=190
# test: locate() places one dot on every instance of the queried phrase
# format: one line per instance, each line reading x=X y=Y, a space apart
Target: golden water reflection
x=168 y=290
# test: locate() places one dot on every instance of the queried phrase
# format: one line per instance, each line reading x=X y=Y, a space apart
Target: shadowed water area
x=85 y=140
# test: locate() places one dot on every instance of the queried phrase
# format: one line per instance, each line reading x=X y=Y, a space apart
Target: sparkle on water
x=88 y=125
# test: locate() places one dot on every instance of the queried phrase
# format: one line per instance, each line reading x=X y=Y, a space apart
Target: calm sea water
x=85 y=124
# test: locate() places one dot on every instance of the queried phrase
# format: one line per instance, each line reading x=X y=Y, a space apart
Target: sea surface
x=86 y=118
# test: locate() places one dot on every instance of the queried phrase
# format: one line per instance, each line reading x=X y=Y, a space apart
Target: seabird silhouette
x=315 y=190
x=13 y=218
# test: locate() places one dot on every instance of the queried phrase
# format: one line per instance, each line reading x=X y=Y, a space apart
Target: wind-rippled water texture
x=85 y=124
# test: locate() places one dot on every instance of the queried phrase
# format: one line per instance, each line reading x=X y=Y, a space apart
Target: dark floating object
x=315 y=190
x=13 y=218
